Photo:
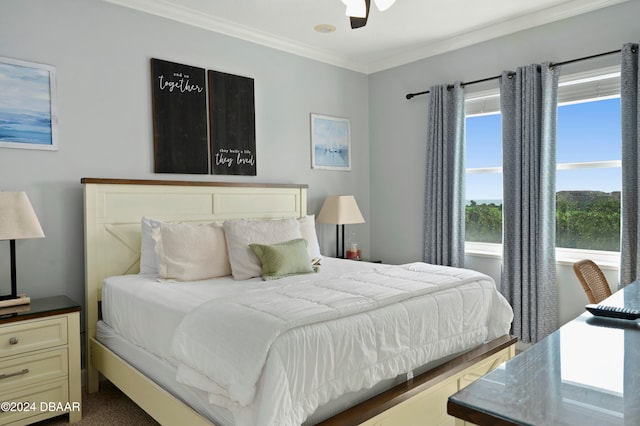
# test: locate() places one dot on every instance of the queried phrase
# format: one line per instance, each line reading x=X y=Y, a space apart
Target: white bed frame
x=113 y=209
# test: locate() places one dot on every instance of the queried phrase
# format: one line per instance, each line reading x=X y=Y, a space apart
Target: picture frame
x=330 y=142
x=28 y=105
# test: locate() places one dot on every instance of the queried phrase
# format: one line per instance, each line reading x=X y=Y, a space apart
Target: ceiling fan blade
x=360 y=22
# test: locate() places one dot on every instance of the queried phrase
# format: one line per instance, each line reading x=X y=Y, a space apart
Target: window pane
x=607 y=179
x=589 y=131
x=588 y=209
x=484 y=187
x=483 y=218
x=484 y=141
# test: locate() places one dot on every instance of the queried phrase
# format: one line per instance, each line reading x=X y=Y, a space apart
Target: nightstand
x=40 y=361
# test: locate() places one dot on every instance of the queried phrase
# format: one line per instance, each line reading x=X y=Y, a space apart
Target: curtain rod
x=557 y=64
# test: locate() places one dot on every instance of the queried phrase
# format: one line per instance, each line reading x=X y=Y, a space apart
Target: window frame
x=486 y=102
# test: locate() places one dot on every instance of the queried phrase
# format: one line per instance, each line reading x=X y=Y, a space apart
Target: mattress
x=164 y=373
x=161 y=372
x=143 y=313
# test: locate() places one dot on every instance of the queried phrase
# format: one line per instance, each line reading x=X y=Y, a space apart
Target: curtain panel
x=630 y=206
x=445 y=176
x=529 y=114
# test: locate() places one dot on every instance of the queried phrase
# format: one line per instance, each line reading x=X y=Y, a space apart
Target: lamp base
x=21 y=299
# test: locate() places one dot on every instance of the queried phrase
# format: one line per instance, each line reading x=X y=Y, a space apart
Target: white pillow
x=148 y=257
x=191 y=252
x=242 y=232
x=308 y=232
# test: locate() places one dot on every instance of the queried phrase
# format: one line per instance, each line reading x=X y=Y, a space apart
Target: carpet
x=109 y=406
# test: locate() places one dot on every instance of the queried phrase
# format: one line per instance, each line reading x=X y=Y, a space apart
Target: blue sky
x=588 y=131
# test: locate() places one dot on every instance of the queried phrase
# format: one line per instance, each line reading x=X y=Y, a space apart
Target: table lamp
x=17 y=221
x=340 y=210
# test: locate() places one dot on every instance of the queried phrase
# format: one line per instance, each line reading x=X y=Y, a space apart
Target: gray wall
x=101 y=54
x=399 y=126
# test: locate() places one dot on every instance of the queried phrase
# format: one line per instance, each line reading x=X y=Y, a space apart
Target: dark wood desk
x=585 y=373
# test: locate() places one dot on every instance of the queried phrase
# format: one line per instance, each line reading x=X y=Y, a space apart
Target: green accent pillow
x=283 y=259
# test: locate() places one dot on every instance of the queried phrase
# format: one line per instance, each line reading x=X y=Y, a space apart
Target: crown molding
x=191 y=17
x=493 y=31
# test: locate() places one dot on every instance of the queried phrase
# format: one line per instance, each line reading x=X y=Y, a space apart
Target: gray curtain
x=529 y=112
x=630 y=209
x=445 y=171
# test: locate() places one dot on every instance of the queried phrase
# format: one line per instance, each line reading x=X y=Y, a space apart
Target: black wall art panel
x=179 y=100
x=232 y=124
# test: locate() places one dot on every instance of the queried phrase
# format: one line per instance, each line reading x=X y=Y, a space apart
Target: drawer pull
x=13 y=341
x=18 y=373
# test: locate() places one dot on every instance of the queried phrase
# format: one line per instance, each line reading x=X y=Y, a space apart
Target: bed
x=155 y=364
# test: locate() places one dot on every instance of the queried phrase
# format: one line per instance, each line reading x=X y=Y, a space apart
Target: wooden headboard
x=113 y=209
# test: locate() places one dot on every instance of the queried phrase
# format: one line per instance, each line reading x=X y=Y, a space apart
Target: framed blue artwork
x=330 y=142
x=28 y=116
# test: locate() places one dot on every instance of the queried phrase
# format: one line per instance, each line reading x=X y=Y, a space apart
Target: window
x=589 y=176
x=483 y=219
x=588 y=180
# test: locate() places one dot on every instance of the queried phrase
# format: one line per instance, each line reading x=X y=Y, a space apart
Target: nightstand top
x=38 y=308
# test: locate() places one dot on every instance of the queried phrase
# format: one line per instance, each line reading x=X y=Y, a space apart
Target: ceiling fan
x=358 y=10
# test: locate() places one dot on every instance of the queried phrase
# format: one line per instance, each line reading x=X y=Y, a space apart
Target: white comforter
x=272 y=356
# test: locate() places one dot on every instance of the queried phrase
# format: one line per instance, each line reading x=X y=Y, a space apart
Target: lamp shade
x=340 y=210
x=17 y=218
